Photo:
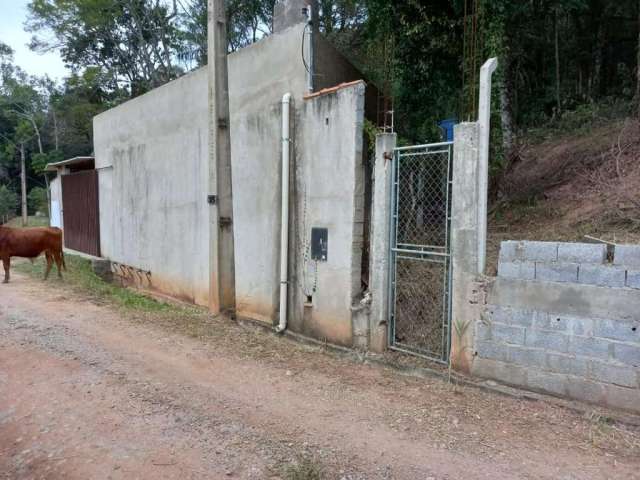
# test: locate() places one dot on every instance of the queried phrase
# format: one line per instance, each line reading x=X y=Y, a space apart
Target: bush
x=8 y=202
x=37 y=199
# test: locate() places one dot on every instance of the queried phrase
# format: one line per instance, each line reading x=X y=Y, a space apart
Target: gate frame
x=421 y=253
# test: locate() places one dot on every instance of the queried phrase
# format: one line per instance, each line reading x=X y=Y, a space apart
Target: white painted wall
x=55 y=187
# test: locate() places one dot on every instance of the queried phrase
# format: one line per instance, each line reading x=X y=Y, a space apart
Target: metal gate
x=420 y=267
x=80 y=212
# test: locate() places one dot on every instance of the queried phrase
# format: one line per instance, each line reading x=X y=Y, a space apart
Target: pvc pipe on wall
x=484 y=121
x=284 y=225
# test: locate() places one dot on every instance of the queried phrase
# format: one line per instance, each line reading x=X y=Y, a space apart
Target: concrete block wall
x=563 y=319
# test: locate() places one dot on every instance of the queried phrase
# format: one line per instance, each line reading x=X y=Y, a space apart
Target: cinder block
x=492 y=351
x=511 y=316
x=607 y=373
x=633 y=278
x=500 y=371
x=514 y=251
x=581 y=326
x=557 y=272
x=602 y=275
x=598 y=348
x=583 y=389
x=521 y=270
x=547 y=382
x=570 y=365
x=622 y=397
x=625 y=331
x=548 y=340
x=549 y=321
x=627 y=354
x=507 y=334
x=582 y=253
x=527 y=357
x=627 y=255
x=484 y=332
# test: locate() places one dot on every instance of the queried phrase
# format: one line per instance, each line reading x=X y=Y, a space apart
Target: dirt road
x=89 y=392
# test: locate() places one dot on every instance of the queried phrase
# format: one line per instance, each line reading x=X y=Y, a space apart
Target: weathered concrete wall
x=563 y=320
x=329 y=192
x=380 y=242
x=466 y=302
x=151 y=155
x=259 y=76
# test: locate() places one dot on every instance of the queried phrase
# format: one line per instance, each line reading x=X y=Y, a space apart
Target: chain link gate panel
x=420 y=267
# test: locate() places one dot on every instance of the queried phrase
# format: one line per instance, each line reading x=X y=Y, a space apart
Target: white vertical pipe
x=484 y=121
x=284 y=225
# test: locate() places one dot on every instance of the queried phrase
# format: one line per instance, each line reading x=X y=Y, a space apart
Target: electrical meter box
x=319 y=244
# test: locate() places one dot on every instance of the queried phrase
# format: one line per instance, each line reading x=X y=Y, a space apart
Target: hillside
x=569 y=186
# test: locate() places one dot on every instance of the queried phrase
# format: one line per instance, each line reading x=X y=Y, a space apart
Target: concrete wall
x=151 y=155
x=329 y=193
x=561 y=319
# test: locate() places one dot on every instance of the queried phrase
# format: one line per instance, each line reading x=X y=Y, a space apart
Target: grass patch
x=80 y=278
x=304 y=468
x=32 y=221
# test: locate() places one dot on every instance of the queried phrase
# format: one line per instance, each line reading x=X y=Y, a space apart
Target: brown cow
x=30 y=243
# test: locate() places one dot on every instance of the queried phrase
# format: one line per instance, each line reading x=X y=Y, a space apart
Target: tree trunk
x=41 y=151
x=23 y=185
x=56 y=134
x=557 y=48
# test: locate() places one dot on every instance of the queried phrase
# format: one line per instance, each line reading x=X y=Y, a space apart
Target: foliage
x=8 y=201
x=37 y=199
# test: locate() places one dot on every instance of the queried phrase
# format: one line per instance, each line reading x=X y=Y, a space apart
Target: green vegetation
x=565 y=65
x=8 y=202
x=80 y=278
x=304 y=468
x=32 y=221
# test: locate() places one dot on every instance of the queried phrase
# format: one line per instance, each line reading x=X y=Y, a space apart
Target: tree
x=8 y=203
x=135 y=41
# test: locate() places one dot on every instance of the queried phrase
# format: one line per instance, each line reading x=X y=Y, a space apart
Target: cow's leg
x=6 y=262
x=49 y=264
x=58 y=259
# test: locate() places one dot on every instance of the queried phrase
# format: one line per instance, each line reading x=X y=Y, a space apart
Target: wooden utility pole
x=23 y=185
x=222 y=288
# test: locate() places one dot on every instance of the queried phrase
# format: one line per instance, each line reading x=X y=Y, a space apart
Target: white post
x=484 y=121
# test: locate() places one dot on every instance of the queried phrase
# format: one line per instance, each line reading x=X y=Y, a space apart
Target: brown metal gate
x=80 y=212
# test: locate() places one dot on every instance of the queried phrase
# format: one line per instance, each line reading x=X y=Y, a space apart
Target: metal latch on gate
x=224 y=222
x=212 y=199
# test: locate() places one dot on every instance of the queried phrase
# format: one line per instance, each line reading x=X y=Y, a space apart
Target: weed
x=304 y=468
x=80 y=278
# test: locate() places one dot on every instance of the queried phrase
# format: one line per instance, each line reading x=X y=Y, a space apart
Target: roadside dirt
x=88 y=392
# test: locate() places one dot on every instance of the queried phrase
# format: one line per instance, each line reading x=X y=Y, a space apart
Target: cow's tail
x=64 y=264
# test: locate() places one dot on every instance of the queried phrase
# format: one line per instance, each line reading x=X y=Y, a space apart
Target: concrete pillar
x=380 y=238
x=484 y=121
x=465 y=303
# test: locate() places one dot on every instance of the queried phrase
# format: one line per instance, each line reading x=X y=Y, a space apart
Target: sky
x=13 y=14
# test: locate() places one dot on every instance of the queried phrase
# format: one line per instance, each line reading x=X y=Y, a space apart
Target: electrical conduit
x=284 y=225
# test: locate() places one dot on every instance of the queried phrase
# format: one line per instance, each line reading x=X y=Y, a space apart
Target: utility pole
x=222 y=288
x=23 y=185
